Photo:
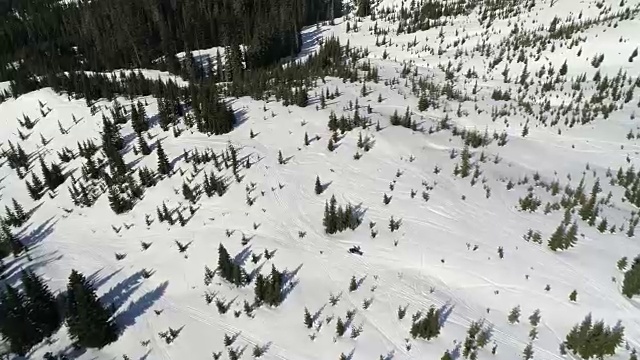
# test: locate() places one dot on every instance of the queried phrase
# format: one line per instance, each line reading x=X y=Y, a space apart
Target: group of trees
x=593 y=339
x=28 y=316
x=337 y=219
x=32 y=314
x=49 y=36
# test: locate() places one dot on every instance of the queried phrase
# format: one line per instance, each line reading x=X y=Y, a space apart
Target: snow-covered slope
x=444 y=254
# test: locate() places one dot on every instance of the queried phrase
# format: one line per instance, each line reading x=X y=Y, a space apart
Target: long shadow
x=38 y=234
x=310 y=41
x=118 y=295
x=240 y=116
x=242 y=256
x=176 y=159
x=139 y=306
x=98 y=281
x=445 y=311
x=13 y=270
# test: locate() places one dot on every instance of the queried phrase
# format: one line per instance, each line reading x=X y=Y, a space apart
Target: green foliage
x=269 y=289
x=337 y=219
x=427 y=327
x=89 y=323
x=164 y=167
x=594 y=340
x=631 y=282
x=230 y=271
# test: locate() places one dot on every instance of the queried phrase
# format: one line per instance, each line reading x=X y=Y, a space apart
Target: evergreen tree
x=36 y=188
x=514 y=315
x=571 y=237
x=164 y=167
x=556 y=241
x=446 y=356
x=43 y=309
x=364 y=8
x=229 y=270
x=527 y=353
x=7 y=237
x=631 y=282
x=16 y=325
x=281 y=160
x=318 y=186
x=573 y=296
x=340 y=327
x=308 y=319
x=89 y=323
x=427 y=327
x=143 y=146
x=19 y=213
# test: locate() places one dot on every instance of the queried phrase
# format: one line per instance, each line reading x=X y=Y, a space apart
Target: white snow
x=411 y=273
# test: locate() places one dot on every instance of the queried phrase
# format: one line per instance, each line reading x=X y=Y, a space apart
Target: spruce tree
x=571 y=237
x=631 y=282
x=164 y=167
x=143 y=146
x=340 y=327
x=41 y=303
x=19 y=213
x=514 y=315
x=308 y=319
x=573 y=296
x=90 y=324
x=318 y=186
x=527 y=353
x=556 y=241
x=16 y=325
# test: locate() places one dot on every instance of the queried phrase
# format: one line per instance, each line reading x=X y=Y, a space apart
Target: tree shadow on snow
x=37 y=235
x=310 y=41
x=13 y=268
x=98 y=281
x=139 y=306
x=119 y=294
x=241 y=117
x=445 y=311
x=242 y=256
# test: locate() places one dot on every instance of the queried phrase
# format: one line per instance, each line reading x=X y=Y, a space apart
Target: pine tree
x=164 y=167
x=330 y=145
x=281 y=160
x=35 y=188
x=308 y=319
x=527 y=353
x=306 y=139
x=556 y=241
x=7 y=237
x=514 y=315
x=89 y=323
x=353 y=284
x=318 y=186
x=631 y=282
x=571 y=237
x=340 y=327
x=573 y=296
x=16 y=325
x=364 y=8
x=427 y=327
x=534 y=319
x=43 y=309
x=143 y=146
x=19 y=213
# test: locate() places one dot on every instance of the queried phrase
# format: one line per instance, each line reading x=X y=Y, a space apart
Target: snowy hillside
x=530 y=135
